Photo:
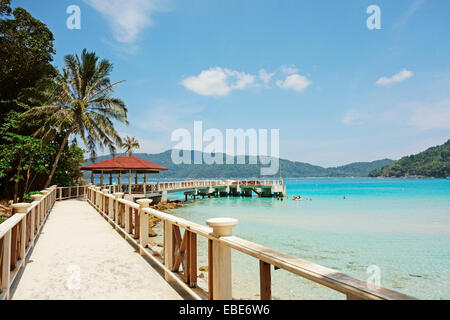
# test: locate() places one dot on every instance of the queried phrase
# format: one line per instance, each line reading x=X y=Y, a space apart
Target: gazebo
x=119 y=165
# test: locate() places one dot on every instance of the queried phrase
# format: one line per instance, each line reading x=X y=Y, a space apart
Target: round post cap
x=37 y=197
x=144 y=203
x=21 y=207
x=222 y=226
x=118 y=195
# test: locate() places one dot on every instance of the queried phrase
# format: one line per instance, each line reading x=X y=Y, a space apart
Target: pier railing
x=150 y=187
x=179 y=257
x=18 y=235
x=65 y=193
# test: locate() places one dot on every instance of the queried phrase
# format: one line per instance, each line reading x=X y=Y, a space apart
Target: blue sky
x=337 y=91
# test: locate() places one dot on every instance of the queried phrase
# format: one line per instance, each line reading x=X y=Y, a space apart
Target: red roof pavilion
x=129 y=165
x=125 y=163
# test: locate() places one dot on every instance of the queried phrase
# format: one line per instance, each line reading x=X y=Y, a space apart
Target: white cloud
x=404 y=18
x=289 y=69
x=166 y=117
x=218 y=82
x=265 y=76
x=294 y=82
x=128 y=17
x=432 y=117
x=352 y=118
x=396 y=78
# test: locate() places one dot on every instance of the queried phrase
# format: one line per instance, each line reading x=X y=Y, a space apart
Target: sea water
x=400 y=226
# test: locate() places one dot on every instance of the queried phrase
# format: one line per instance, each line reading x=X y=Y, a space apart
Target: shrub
x=28 y=198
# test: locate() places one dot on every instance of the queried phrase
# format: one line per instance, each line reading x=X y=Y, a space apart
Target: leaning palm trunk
x=58 y=156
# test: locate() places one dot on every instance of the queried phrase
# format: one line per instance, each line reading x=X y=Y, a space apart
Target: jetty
x=114 y=169
x=159 y=191
x=85 y=243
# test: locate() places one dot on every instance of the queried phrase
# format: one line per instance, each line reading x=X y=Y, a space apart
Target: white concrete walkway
x=80 y=256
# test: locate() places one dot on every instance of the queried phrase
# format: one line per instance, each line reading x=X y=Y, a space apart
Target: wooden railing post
x=117 y=196
x=111 y=207
x=97 y=197
x=164 y=198
x=210 y=270
x=265 y=285
x=32 y=225
x=6 y=264
x=143 y=223
x=126 y=221
x=104 y=199
x=168 y=247
x=45 y=204
x=221 y=279
x=22 y=208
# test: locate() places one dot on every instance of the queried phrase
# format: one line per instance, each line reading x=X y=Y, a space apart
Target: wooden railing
x=18 y=235
x=179 y=257
x=64 y=193
x=151 y=187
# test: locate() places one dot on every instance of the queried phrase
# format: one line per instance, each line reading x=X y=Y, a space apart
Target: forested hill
x=288 y=168
x=433 y=162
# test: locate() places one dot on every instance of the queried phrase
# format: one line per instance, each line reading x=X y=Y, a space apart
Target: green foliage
x=129 y=144
x=28 y=198
x=68 y=170
x=24 y=161
x=26 y=49
x=433 y=162
x=26 y=73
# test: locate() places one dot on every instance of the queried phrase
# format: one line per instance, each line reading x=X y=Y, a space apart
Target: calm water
x=400 y=225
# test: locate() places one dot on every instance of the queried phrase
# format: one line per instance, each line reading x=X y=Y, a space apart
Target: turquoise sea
x=400 y=225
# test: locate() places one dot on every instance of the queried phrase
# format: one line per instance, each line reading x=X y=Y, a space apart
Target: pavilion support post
x=120 y=181
x=129 y=182
x=101 y=178
x=136 y=178
x=92 y=176
x=110 y=178
x=145 y=184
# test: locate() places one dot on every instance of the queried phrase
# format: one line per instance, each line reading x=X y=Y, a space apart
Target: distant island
x=431 y=163
x=292 y=169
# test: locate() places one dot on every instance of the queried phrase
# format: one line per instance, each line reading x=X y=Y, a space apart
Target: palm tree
x=129 y=144
x=80 y=103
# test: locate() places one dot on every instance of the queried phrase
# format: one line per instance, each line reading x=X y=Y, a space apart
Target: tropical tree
x=80 y=104
x=129 y=144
